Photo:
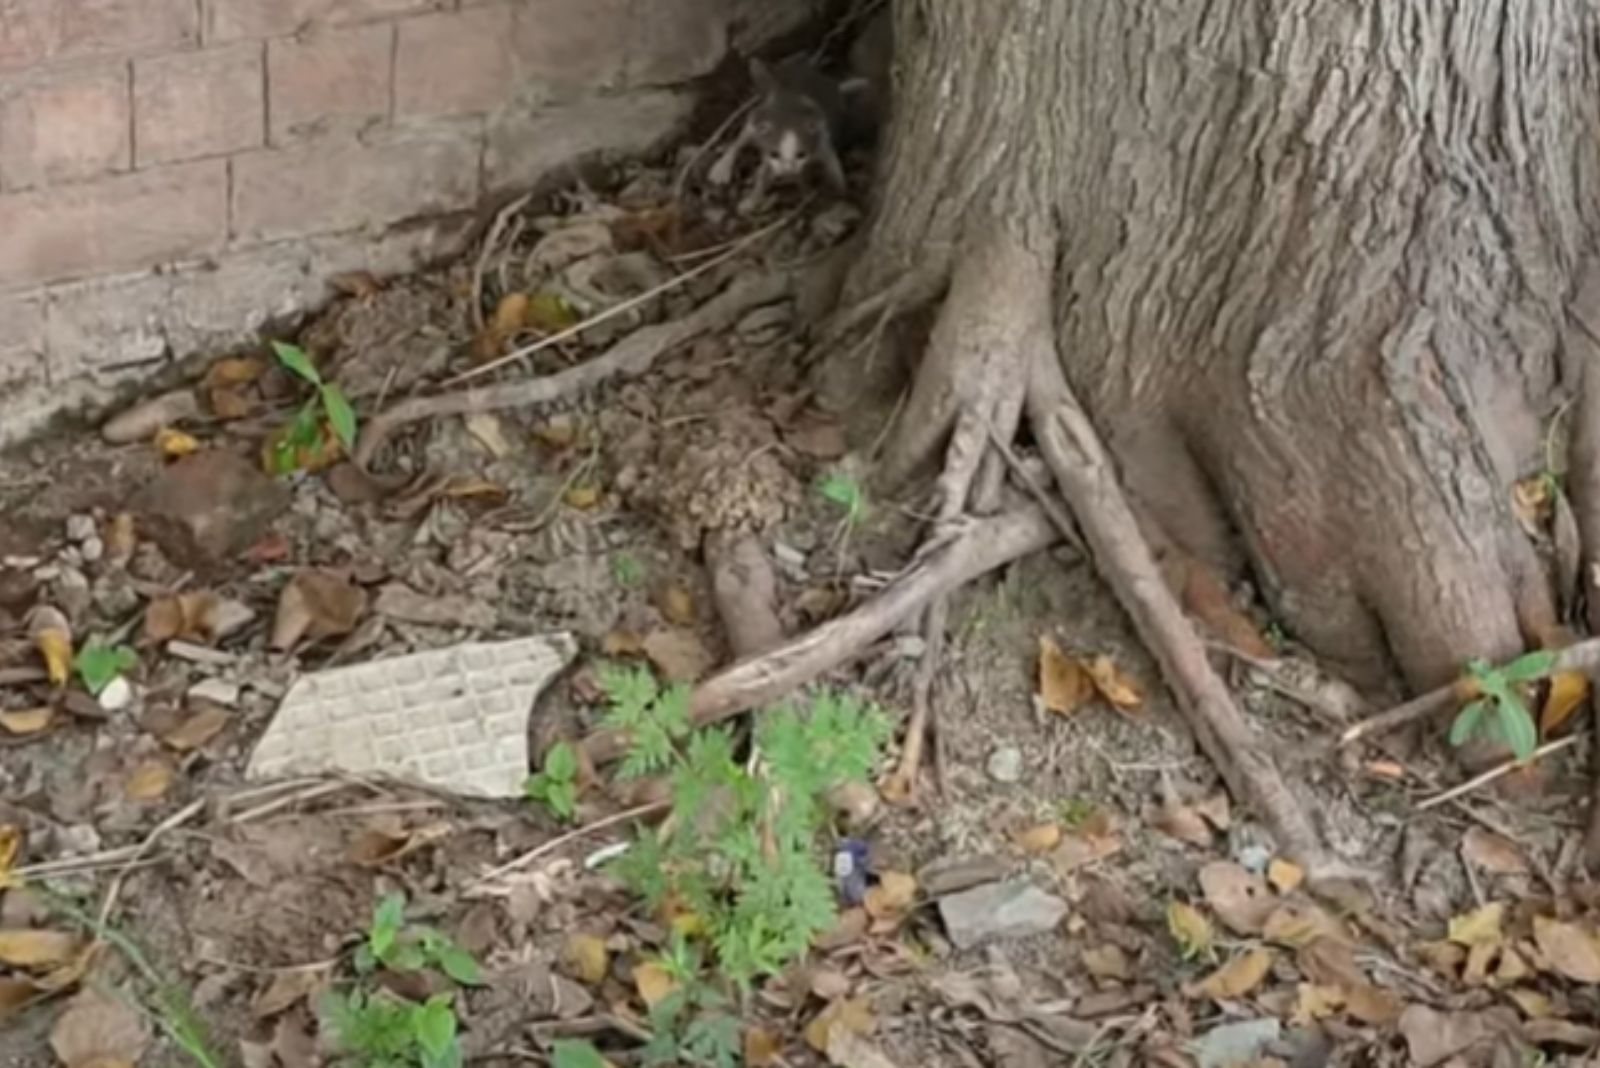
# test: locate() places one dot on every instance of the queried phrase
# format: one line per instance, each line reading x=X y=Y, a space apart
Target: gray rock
x=80 y=528
x=209 y=505
x=1005 y=764
x=1015 y=909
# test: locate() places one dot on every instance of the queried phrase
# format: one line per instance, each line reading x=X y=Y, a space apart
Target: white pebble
x=116 y=696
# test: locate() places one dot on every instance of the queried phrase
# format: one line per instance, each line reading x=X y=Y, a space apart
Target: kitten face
x=788 y=130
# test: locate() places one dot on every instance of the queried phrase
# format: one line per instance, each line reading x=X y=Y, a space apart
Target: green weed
x=1500 y=714
x=302 y=438
x=556 y=784
x=99 y=664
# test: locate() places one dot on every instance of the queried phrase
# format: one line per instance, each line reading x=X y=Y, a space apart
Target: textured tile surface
x=455 y=719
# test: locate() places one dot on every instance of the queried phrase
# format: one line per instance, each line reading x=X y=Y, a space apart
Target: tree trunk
x=1307 y=266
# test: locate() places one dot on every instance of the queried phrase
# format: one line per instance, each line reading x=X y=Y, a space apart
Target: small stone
x=211 y=504
x=1005 y=764
x=141 y=422
x=92 y=550
x=219 y=691
x=80 y=528
x=117 y=695
x=230 y=617
x=1015 y=909
x=952 y=875
x=72 y=593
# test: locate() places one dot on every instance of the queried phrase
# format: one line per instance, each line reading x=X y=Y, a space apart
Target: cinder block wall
x=175 y=173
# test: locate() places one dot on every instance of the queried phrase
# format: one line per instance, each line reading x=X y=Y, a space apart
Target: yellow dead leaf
x=1513 y=967
x=1373 y=1005
x=761 y=1047
x=548 y=312
x=892 y=896
x=10 y=847
x=1478 y=927
x=586 y=958
x=34 y=948
x=1445 y=958
x=1115 y=685
x=850 y=1015
x=1568 y=689
x=1570 y=949
x=1108 y=962
x=1236 y=978
x=676 y=605
x=1285 y=875
x=583 y=496
x=1534 y=1005
x=175 y=443
x=1315 y=1002
x=27 y=720
x=510 y=314
x=653 y=983
x=1532 y=502
x=1039 y=839
x=1190 y=930
x=52 y=636
x=150 y=781
x=1064 y=685
x=1479 y=956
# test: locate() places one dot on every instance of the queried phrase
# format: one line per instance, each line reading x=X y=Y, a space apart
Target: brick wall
x=176 y=173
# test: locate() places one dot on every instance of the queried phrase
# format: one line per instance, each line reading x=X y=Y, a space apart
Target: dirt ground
x=242 y=901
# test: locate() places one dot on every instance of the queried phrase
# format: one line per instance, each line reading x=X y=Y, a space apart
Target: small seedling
x=576 y=1053
x=375 y=1028
x=627 y=571
x=556 y=784
x=302 y=438
x=99 y=664
x=1500 y=714
x=1076 y=811
x=845 y=490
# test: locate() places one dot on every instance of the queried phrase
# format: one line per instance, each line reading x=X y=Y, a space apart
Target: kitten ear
x=761 y=75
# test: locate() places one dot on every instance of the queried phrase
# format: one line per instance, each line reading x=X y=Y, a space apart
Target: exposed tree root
x=745 y=591
x=631 y=356
x=979 y=548
x=901 y=787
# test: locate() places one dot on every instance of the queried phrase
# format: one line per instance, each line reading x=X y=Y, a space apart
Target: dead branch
x=902 y=785
x=979 y=548
x=631 y=356
x=1581 y=656
x=1086 y=476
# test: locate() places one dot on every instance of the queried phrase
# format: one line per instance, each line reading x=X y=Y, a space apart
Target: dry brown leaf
x=509 y=317
x=676 y=605
x=1300 y=924
x=1237 y=978
x=1315 y=1002
x=25 y=721
x=892 y=896
x=1064 y=685
x=286 y=990
x=587 y=960
x=1568 y=690
x=1217 y=810
x=1189 y=929
x=761 y=1047
x=622 y=643
x=1115 y=685
x=1569 y=949
x=1479 y=956
x=99 y=1028
x=1513 y=966
x=200 y=727
x=1182 y=822
x=1241 y=899
x=1329 y=962
x=235 y=371
x=679 y=654
x=16 y=995
x=1108 y=962
x=1284 y=875
x=149 y=781
x=1445 y=958
x=188 y=616
x=1534 y=1005
x=1385 y=769
x=488 y=431
x=851 y=1015
x=848 y=929
x=1373 y=1005
x=52 y=636
x=317 y=604
x=1480 y=926
x=1039 y=839
x=1493 y=853
x=653 y=983
x=122 y=537
x=35 y=948
x=1206 y=598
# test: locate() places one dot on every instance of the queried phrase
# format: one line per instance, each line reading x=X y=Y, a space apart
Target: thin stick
x=700 y=152
x=1499 y=771
x=310 y=793
x=177 y=819
x=1046 y=499
x=490 y=242
x=559 y=841
x=1581 y=656
x=618 y=309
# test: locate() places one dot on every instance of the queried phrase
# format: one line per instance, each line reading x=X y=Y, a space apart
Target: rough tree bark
x=1310 y=273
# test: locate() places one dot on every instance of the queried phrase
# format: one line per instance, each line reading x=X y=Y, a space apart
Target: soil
x=587 y=516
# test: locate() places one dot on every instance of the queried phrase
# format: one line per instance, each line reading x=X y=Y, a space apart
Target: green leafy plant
x=1499 y=713
x=739 y=850
x=303 y=435
x=100 y=663
x=556 y=784
x=627 y=571
x=846 y=491
x=695 y=1023
x=375 y=1028
x=576 y=1053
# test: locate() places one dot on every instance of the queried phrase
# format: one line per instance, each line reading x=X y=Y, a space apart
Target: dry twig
x=1499 y=771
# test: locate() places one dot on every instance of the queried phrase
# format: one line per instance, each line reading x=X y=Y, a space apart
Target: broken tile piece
x=1014 y=909
x=454 y=719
